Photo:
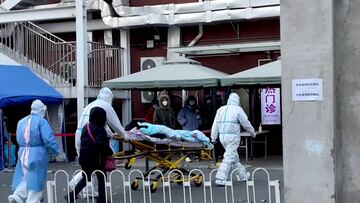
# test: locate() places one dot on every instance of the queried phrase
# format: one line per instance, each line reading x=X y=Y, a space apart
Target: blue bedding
x=194 y=136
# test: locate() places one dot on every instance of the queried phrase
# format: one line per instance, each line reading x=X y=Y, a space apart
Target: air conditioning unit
x=146 y=63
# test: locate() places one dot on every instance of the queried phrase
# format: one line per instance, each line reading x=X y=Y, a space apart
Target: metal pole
x=63 y=130
x=213 y=98
x=9 y=152
x=81 y=54
x=126 y=103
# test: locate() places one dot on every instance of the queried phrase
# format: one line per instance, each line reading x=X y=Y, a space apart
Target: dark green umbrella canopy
x=178 y=72
x=269 y=73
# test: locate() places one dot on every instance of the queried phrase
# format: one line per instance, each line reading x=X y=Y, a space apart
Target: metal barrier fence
x=186 y=188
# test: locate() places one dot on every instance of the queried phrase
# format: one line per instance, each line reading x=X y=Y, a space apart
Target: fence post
x=50 y=191
x=276 y=184
x=200 y=177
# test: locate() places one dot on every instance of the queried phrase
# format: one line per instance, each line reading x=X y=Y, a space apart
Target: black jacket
x=93 y=155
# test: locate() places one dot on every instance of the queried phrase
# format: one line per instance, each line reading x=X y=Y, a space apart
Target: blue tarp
x=19 y=85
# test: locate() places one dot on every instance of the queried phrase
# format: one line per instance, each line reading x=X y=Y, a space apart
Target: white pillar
x=108 y=39
x=81 y=54
x=174 y=39
x=308 y=126
x=126 y=64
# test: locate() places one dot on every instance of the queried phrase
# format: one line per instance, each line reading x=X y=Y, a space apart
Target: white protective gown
x=35 y=137
x=227 y=123
x=104 y=100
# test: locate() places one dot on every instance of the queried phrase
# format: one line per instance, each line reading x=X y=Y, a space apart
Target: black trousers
x=101 y=183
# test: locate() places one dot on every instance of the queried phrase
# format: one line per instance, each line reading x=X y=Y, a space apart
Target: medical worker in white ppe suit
x=104 y=101
x=35 y=137
x=226 y=125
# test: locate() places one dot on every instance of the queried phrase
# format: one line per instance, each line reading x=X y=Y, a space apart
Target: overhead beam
x=61 y=27
x=37 y=14
x=228 y=48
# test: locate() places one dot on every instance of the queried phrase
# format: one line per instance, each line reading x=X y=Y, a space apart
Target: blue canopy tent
x=18 y=86
x=1 y=143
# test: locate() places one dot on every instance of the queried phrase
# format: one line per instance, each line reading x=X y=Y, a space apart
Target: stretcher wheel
x=198 y=181
x=135 y=185
x=153 y=187
x=127 y=166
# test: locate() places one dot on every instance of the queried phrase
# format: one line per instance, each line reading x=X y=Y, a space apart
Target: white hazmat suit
x=104 y=100
x=227 y=123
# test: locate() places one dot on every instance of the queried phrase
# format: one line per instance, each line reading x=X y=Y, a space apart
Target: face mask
x=165 y=103
x=191 y=103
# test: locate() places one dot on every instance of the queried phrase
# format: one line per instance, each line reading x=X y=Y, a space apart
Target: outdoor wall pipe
x=199 y=35
x=123 y=8
x=188 y=13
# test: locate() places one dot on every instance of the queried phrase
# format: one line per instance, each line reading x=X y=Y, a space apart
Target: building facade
x=230 y=36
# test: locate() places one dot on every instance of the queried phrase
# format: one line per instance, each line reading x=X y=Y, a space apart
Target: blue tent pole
x=1 y=142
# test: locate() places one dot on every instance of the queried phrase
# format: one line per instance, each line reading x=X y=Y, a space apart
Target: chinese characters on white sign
x=307 y=90
x=270 y=106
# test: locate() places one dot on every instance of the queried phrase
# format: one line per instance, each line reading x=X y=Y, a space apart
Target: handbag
x=110 y=164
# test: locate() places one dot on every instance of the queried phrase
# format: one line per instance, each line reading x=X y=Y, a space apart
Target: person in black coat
x=164 y=113
x=93 y=152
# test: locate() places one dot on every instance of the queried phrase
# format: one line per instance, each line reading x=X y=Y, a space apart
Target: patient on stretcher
x=161 y=134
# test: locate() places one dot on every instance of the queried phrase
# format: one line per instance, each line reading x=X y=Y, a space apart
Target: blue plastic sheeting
x=19 y=85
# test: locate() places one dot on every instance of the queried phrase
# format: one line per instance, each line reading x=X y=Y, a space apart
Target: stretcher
x=167 y=157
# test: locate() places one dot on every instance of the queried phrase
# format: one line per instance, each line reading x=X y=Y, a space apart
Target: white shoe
x=188 y=160
x=240 y=179
x=14 y=199
x=219 y=183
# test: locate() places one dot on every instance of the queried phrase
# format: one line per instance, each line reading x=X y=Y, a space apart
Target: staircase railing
x=38 y=47
x=58 y=57
x=104 y=63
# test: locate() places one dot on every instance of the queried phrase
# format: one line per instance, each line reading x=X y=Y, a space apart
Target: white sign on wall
x=307 y=90
x=270 y=106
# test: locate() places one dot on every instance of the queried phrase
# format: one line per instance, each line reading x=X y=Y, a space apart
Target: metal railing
x=46 y=53
x=55 y=59
x=119 y=183
x=104 y=63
